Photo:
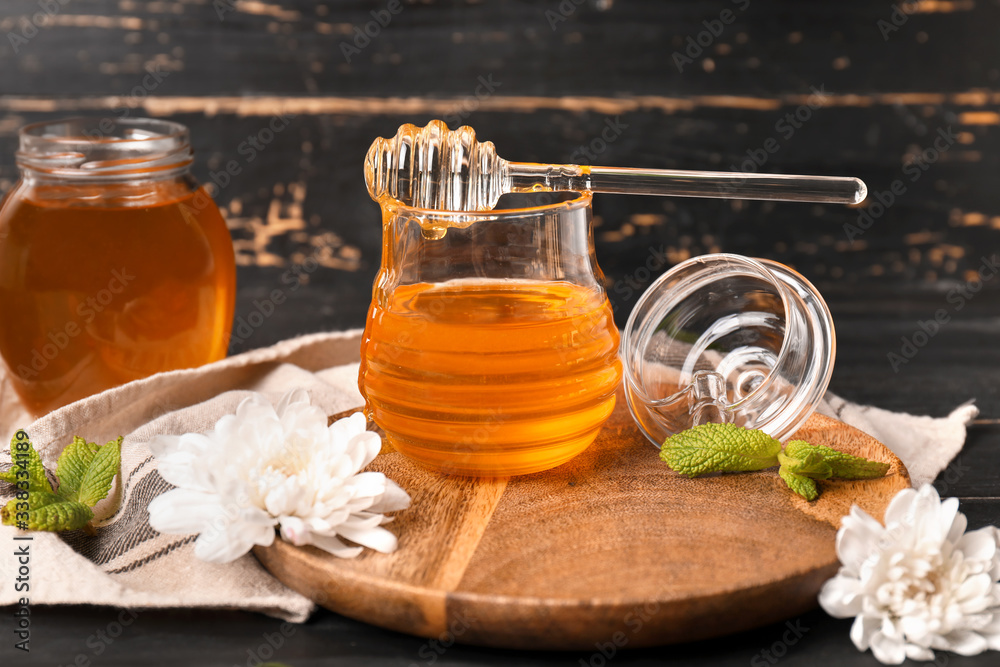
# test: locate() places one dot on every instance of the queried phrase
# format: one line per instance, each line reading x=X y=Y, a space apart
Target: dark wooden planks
x=888 y=99
x=293 y=47
x=303 y=196
x=973 y=475
x=959 y=363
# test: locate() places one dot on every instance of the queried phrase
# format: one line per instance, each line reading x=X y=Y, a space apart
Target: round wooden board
x=610 y=547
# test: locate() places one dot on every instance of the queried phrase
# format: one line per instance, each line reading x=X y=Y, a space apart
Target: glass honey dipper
x=433 y=167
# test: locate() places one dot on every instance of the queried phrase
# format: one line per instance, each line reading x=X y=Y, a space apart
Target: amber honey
x=490 y=377
x=103 y=284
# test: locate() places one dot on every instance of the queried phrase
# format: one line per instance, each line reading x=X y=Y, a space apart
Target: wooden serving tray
x=610 y=547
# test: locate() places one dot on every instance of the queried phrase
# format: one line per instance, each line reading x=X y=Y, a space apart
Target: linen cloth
x=129 y=564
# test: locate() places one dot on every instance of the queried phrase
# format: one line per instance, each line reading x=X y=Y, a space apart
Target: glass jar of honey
x=490 y=347
x=114 y=263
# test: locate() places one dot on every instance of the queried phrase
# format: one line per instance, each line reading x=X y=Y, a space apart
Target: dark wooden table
x=544 y=80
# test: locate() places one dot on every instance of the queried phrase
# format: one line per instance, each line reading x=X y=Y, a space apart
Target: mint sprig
x=712 y=448
x=84 y=472
x=720 y=448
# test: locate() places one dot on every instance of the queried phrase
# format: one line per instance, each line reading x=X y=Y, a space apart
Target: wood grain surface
x=612 y=542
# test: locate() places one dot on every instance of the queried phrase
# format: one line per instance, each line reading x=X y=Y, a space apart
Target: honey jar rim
x=90 y=147
x=583 y=199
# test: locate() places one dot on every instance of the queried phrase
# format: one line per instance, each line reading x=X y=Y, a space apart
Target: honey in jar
x=114 y=263
x=490 y=347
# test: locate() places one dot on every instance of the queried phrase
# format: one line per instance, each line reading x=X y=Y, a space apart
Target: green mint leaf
x=719 y=448
x=72 y=467
x=800 y=484
x=808 y=464
x=27 y=465
x=842 y=465
x=46 y=511
x=103 y=467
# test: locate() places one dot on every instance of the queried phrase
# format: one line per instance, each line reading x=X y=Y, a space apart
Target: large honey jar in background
x=490 y=347
x=114 y=263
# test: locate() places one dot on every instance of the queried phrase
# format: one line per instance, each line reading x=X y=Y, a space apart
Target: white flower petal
x=927 y=513
x=291 y=398
x=958 y=527
x=978 y=544
x=841 y=597
x=368 y=484
x=282 y=499
x=862 y=630
x=182 y=512
x=295 y=530
x=888 y=650
x=964 y=642
x=393 y=499
x=914 y=628
x=914 y=652
x=378 y=539
x=973 y=588
x=335 y=546
x=225 y=546
x=162 y=445
x=329 y=522
x=899 y=509
x=859 y=537
x=363 y=448
x=360 y=521
x=947 y=516
x=302 y=419
x=255 y=406
x=346 y=428
x=181 y=469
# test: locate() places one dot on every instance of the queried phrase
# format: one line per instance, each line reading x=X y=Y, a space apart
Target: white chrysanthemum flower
x=265 y=468
x=919 y=583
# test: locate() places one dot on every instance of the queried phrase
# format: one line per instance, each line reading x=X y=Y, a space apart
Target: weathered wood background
x=558 y=75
